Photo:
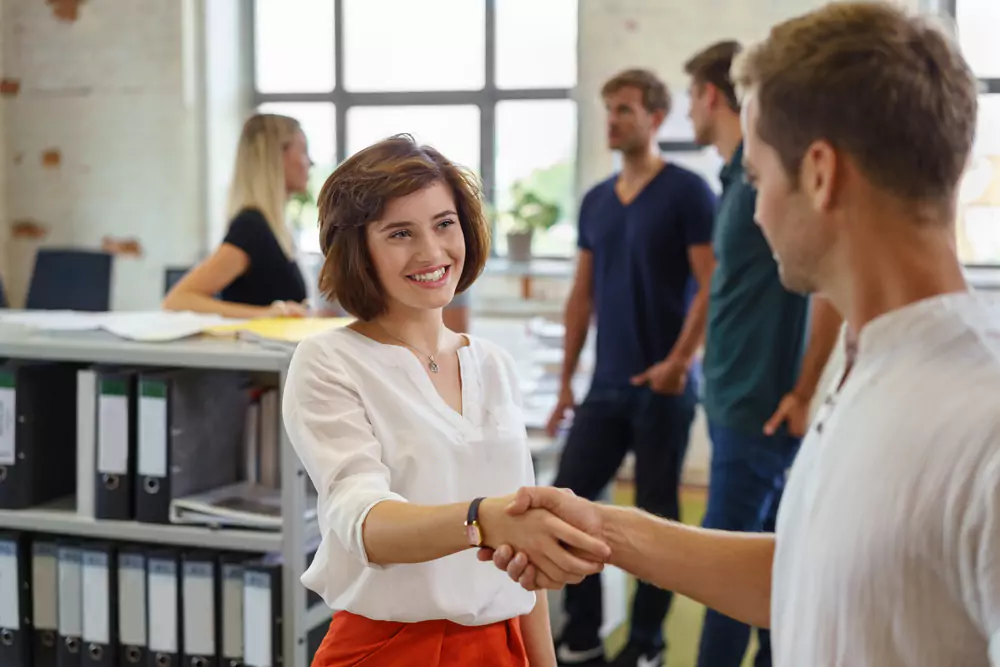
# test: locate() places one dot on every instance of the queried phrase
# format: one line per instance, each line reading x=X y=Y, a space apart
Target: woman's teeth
x=429 y=277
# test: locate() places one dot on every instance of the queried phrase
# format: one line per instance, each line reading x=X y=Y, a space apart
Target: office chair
x=65 y=279
x=171 y=276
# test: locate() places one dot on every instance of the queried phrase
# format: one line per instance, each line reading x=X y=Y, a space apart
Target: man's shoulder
x=600 y=190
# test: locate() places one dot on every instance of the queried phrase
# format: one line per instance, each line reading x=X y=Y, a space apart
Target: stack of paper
x=242 y=505
x=145 y=326
x=280 y=332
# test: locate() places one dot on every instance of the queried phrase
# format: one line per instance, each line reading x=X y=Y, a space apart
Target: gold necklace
x=431 y=364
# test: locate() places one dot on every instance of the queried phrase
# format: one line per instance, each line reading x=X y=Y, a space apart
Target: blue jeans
x=611 y=421
x=747 y=480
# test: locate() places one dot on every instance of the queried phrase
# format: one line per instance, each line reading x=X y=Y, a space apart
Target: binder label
x=132 y=599
x=8 y=418
x=258 y=620
x=153 y=440
x=10 y=594
x=96 y=598
x=199 y=613
x=232 y=611
x=70 y=592
x=112 y=428
x=45 y=586
x=162 y=605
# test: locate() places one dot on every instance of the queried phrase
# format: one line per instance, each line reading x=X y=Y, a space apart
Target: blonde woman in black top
x=253 y=272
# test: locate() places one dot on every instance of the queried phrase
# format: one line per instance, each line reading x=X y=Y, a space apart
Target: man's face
x=795 y=228
x=700 y=112
x=631 y=127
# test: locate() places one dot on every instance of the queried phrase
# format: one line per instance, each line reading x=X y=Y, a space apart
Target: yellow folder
x=281 y=329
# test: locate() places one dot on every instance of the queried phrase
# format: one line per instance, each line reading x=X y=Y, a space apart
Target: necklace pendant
x=433 y=366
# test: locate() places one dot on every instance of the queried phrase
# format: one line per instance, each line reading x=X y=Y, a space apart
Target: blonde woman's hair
x=259 y=172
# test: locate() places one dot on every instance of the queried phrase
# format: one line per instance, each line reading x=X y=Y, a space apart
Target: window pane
x=536 y=146
x=536 y=43
x=452 y=130
x=393 y=45
x=317 y=120
x=977 y=25
x=294 y=46
x=979 y=196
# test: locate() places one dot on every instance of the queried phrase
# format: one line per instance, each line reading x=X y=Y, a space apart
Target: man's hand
x=565 y=404
x=793 y=409
x=666 y=377
x=563 y=503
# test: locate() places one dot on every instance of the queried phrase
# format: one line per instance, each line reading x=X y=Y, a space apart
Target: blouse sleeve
x=330 y=431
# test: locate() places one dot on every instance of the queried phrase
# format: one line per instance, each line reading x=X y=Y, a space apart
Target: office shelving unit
x=97 y=347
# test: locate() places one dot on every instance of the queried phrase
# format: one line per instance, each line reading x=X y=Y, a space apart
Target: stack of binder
x=79 y=603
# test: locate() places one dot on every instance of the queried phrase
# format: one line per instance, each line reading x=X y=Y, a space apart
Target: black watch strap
x=473 y=516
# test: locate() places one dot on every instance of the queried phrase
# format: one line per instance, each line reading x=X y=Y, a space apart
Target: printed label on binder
x=8 y=418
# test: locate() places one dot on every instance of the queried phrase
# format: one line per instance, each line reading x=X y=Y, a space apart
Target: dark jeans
x=747 y=480
x=610 y=422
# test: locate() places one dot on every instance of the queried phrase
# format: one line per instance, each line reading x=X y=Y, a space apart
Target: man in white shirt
x=859 y=120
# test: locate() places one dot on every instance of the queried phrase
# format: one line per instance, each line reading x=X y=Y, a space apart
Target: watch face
x=475 y=537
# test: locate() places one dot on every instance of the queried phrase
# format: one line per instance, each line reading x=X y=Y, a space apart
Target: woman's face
x=418 y=248
x=297 y=164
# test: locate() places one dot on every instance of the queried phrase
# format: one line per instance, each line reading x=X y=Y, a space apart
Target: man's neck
x=728 y=136
x=638 y=167
x=900 y=264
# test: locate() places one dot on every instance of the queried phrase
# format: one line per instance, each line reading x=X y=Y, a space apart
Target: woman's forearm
x=398 y=532
x=538 y=633
x=200 y=303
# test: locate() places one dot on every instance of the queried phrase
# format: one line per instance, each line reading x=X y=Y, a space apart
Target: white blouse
x=369 y=425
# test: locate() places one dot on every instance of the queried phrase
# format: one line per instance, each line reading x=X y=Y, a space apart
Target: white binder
x=70 y=602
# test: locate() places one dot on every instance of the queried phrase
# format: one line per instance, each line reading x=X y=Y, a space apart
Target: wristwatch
x=472 y=529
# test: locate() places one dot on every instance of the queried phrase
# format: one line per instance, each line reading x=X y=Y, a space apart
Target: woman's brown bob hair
x=357 y=192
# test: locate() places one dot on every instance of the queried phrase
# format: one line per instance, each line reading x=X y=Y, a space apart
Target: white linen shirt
x=888 y=536
x=369 y=425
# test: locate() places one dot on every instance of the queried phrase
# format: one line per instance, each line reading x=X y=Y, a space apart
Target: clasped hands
x=544 y=537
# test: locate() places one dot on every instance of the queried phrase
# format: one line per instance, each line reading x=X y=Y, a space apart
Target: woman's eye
x=400 y=234
x=447 y=223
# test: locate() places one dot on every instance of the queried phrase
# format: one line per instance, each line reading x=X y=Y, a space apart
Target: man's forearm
x=824 y=330
x=693 y=332
x=577 y=322
x=728 y=572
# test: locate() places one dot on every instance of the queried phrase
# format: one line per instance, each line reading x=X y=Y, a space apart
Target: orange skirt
x=356 y=641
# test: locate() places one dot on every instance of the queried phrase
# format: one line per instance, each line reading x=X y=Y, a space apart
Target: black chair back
x=172 y=275
x=71 y=280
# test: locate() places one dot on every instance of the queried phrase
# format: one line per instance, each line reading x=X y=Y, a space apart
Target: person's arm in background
x=669 y=376
x=194 y=292
x=579 y=309
x=824 y=329
x=329 y=428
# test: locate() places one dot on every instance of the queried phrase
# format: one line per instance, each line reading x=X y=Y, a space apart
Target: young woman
x=413 y=434
x=253 y=273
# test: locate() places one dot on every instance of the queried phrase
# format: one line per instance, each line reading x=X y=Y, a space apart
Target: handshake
x=544 y=537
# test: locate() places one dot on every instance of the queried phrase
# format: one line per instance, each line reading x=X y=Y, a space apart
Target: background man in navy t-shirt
x=644 y=240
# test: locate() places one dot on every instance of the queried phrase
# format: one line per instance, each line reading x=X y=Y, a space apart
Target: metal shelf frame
x=225 y=354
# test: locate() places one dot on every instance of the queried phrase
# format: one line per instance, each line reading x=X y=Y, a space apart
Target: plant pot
x=519 y=246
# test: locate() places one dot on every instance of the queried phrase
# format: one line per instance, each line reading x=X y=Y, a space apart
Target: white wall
x=119 y=94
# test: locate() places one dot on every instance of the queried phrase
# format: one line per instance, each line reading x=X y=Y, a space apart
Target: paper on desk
x=147 y=326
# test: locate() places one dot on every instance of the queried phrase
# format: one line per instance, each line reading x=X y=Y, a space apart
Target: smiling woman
x=413 y=435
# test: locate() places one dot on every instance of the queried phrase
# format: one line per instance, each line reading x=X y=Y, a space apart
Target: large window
x=979 y=197
x=486 y=82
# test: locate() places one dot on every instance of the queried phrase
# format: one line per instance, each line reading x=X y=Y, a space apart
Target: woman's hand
x=287 y=309
x=564 y=554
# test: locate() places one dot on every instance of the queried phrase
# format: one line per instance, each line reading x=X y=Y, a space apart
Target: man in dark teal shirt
x=762 y=358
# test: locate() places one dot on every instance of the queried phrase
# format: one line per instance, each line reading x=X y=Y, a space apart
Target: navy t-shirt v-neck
x=642 y=275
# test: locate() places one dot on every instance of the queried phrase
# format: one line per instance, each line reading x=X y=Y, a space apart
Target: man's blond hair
x=889 y=89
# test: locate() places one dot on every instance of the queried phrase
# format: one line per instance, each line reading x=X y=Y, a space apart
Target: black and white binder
x=200 y=593
x=163 y=608
x=45 y=602
x=100 y=606
x=262 y=614
x=70 y=605
x=15 y=601
x=232 y=609
x=37 y=426
x=191 y=424
x=116 y=443
x=132 y=606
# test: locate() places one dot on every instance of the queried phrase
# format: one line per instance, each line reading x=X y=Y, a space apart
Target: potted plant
x=530 y=212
